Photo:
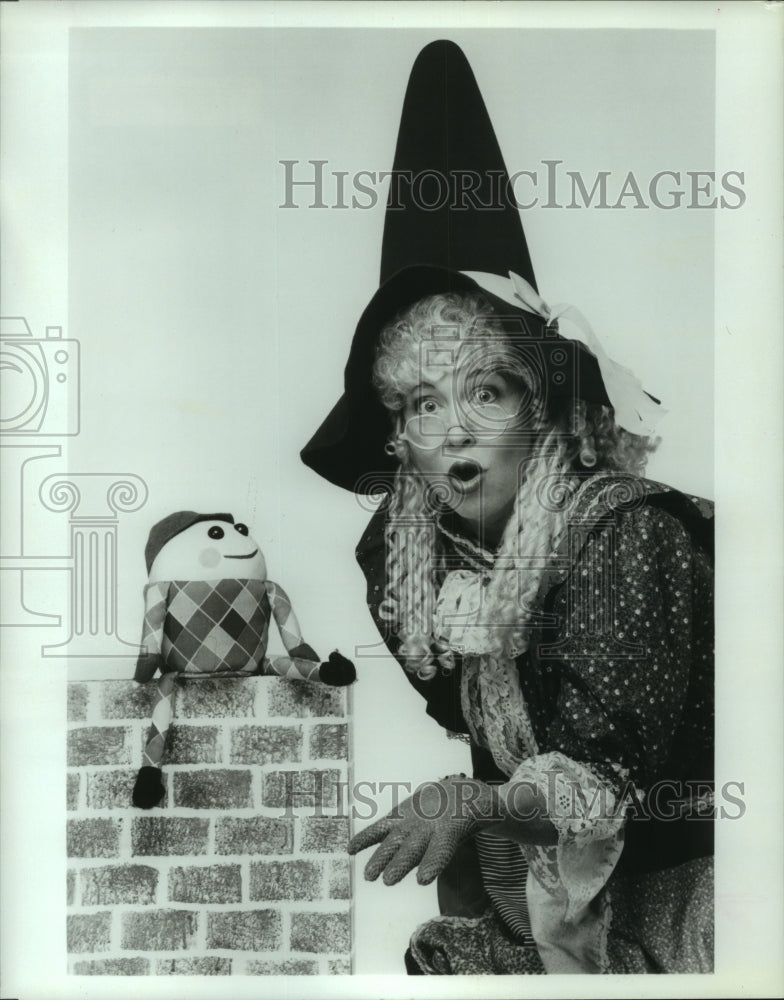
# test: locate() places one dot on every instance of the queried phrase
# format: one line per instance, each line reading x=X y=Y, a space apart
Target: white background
x=214 y=326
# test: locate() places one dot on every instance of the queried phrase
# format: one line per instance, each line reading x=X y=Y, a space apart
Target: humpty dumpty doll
x=208 y=605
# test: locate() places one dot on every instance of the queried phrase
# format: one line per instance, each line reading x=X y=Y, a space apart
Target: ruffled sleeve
x=569 y=913
x=588 y=818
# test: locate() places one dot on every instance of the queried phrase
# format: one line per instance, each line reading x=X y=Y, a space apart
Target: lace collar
x=456 y=543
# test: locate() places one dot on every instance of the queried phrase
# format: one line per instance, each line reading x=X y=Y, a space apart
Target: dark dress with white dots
x=617 y=698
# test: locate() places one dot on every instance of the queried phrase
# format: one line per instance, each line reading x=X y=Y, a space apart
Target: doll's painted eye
x=215 y=532
x=242 y=528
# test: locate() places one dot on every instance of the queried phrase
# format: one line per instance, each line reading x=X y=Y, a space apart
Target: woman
x=549 y=603
x=578 y=603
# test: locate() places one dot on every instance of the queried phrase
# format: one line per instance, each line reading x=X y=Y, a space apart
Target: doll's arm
x=288 y=625
x=302 y=663
x=150 y=658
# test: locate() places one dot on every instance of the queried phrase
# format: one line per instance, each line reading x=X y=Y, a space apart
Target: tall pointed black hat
x=451 y=222
x=457 y=208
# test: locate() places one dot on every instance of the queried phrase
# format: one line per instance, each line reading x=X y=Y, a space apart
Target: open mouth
x=250 y=555
x=466 y=473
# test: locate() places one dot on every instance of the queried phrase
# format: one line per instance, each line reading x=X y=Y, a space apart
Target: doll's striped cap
x=165 y=530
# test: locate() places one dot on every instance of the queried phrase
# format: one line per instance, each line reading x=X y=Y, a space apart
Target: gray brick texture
x=89 y=931
x=73 y=784
x=304 y=698
x=93 y=838
x=113 y=884
x=285 y=880
x=288 y=967
x=110 y=789
x=324 y=834
x=166 y=835
x=193 y=967
x=99 y=745
x=266 y=744
x=112 y=967
x=159 y=930
x=77 y=702
x=320 y=932
x=241 y=869
x=205 y=884
x=246 y=930
x=329 y=741
x=193 y=745
x=297 y=789
x=212 y=789
x=254 y=835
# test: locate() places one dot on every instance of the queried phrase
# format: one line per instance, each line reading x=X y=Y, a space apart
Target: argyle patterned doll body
x=208 y=607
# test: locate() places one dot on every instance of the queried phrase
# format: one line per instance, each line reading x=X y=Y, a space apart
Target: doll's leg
x=162 y=711
x=149 y=788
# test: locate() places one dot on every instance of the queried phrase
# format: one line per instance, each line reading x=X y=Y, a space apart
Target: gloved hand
x=424 y=830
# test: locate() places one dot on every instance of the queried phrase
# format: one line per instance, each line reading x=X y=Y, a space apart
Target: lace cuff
x=589 y=822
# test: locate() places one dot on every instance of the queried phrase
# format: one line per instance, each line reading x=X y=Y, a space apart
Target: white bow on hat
x=635 y=410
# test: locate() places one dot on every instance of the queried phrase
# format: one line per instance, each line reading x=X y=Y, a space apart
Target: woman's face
x=465 y=429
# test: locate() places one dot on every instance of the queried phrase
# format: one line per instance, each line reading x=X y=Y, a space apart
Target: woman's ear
x=395 y=445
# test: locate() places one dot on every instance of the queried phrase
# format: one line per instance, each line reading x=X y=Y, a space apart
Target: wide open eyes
x=427 y=405
x=242 y=528
x=483 y=395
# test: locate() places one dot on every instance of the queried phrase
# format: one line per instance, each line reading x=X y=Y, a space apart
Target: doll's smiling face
x=210 y=550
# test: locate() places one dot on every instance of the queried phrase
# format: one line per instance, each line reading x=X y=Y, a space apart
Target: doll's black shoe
x=149 y=789
x=337 y=671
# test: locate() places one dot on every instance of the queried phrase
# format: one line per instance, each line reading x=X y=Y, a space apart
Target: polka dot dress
x=633 y=667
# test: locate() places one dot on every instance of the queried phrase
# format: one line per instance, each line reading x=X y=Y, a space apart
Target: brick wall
x=243 y=868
